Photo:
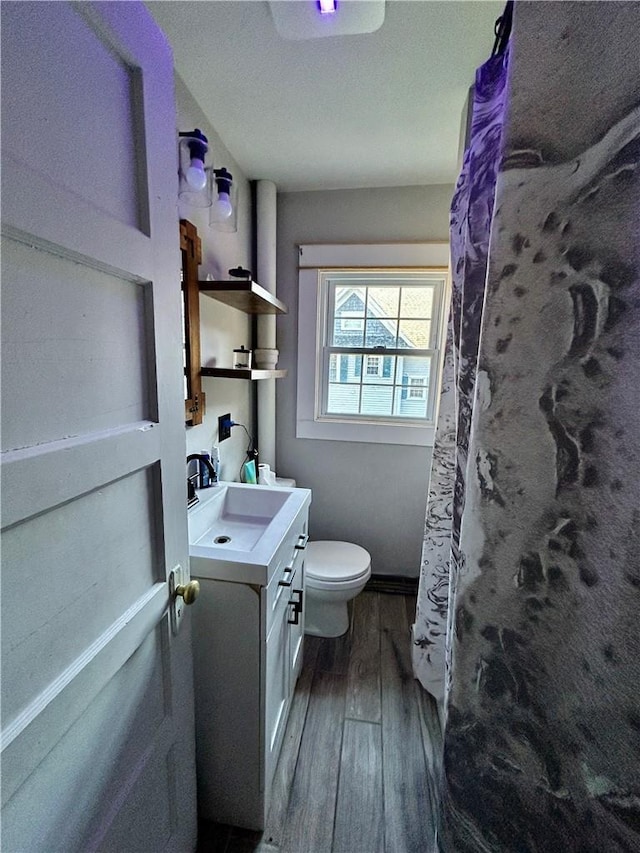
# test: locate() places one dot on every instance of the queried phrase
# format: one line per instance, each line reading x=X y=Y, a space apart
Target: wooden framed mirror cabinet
x=191 y=247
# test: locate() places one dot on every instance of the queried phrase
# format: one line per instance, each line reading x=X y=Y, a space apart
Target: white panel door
x=97 y=705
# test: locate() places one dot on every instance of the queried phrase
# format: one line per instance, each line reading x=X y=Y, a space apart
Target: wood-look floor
x=361 y=751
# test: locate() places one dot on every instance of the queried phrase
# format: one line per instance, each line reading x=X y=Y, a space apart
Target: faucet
x=192 y=497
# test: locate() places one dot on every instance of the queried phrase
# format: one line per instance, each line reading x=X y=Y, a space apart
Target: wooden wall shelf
x=243 y=294
x=239 y=373
x=246 y=295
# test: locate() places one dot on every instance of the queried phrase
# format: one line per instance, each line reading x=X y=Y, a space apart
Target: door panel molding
x=57 y=707
x=80 y=231
x=32 y=475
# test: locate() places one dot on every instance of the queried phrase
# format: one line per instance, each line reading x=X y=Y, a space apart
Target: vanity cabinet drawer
x=289 y=573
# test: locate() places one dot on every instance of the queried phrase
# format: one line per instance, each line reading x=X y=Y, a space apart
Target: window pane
x=377 y=400
x=351 y=324
x=413 y=395
x=343 y=399
x=345 y=369
x=410 y=407
x=381 y=333
x=414 y=334
x=333 y=368
x=350 y=298
x=348 y=320
x=413 y=367
x=378 y=369
x=382 y=314
x=383 y=301
x=348 y=332
x=416 y=302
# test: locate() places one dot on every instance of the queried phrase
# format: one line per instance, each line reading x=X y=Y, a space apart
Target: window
x=351 y=322
x=396 y=310
x=373 y=365
x=369 y=342
x=417 y=387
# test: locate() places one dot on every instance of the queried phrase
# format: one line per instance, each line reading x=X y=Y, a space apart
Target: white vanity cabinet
x=247 y=641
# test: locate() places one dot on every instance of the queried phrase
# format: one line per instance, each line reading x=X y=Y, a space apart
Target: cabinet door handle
x=297 y=607
x=296 y=617
x=302 y=541
x=287 y=581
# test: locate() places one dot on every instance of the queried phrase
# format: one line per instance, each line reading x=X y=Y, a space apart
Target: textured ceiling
x=369 y=110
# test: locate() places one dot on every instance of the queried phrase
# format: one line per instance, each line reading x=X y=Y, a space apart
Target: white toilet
x=335 y=573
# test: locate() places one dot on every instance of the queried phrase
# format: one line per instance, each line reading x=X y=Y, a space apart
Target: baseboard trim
x=392 y=584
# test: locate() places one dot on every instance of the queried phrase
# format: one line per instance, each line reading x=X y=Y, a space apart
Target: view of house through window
x=380 y=343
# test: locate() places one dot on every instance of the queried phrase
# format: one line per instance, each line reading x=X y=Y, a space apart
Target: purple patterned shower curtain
x=542 y=733
x=471 y=216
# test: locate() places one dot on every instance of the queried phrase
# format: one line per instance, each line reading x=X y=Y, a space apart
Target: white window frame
x=318 y=260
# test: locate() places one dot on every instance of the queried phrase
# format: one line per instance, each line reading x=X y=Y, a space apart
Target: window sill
x=329 y=430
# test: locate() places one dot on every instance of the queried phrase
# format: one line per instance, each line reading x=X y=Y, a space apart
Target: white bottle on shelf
x=215 y=461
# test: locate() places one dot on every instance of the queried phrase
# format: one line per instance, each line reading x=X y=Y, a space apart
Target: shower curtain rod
x=502 y=29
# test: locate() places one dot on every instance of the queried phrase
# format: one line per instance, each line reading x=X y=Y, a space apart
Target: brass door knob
x=189 y=591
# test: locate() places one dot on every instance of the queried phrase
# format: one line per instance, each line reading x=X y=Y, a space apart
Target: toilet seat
x=336 y=565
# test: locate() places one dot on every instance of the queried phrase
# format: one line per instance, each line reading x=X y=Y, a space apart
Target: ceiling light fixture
x=327 y=7
x=326 y=18
x=196 y=185
x=195 y=181
x=223 y=214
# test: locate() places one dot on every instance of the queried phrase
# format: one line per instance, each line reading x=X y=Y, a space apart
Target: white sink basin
x=236 y=529
x=235 y=516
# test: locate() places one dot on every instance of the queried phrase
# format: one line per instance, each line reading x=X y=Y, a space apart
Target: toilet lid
x=334 y=561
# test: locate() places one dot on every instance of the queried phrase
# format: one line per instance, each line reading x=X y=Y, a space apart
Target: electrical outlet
x=224 y=427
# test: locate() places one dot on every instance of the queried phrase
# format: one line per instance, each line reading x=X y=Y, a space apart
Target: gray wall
x=222 y=328
x=371 y=494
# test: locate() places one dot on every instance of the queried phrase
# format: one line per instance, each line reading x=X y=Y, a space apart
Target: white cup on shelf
x=266 y=359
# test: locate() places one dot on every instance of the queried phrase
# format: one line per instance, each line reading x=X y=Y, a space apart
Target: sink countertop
x=256 y=564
